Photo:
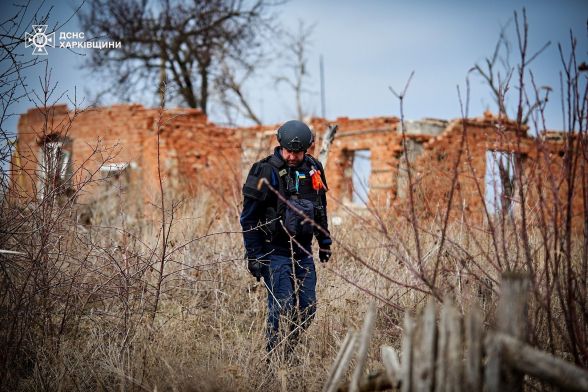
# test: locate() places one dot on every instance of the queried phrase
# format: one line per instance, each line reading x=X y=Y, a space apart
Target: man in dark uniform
x=279 y=222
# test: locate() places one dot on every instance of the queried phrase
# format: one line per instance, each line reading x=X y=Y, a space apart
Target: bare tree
x=231 y=88
x=497 y=72
x=296 y=61
x=181 y=45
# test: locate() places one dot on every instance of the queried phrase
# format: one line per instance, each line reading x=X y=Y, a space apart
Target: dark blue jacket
x=261 y=205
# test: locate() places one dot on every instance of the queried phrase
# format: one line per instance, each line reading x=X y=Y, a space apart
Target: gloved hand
x=325 y=253
x=255 y=267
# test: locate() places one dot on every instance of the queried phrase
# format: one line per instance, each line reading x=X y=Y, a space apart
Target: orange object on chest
x=317 y=182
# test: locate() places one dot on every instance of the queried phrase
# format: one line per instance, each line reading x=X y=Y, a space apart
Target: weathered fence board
x=407 y=354
x=544 y=366
x=424 y=351
x=449 y=356
x=341 y=363
x=364 y=343
x=391 y=365
x=511 y=319
x=492 y=369
x=449 y=351
x=473 y=350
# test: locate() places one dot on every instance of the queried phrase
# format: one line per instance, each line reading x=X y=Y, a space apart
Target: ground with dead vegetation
x=127 y=307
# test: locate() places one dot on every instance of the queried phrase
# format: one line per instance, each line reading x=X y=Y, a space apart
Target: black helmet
x=295 y=135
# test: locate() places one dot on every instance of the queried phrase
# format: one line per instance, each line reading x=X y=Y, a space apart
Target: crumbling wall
x=434 y=152
x=98 y=136
x=197 y=156
x=194 y=154
x=454 y=165
x=202 y=157
x=375 y=134
x=256 y=143
x=379 y=136
x=382 y=136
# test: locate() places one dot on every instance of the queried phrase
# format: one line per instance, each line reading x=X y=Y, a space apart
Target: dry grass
x=208 y=333
x=90 y=319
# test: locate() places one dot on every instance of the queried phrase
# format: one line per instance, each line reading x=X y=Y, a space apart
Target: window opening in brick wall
x=362 y=170
x=110 y=170
x=499 y=181
x=115 y=178
x=413 y=150
x=55 y=167
x=115 y=193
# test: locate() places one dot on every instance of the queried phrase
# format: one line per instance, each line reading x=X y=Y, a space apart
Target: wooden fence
x=456 y=354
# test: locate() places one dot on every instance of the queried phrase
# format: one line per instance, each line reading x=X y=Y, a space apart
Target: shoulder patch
x=254 y=186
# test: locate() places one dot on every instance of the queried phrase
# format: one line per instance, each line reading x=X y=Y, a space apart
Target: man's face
x=293 y=158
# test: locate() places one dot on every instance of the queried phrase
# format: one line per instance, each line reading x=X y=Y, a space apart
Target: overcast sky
x=370 y=45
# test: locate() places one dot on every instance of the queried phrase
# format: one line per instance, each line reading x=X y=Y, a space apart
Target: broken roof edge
x=315 y=122
x=62 y=108
x=554 y=135
x=486 y=119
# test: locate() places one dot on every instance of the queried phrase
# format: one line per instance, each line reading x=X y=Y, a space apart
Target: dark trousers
x=291 y=287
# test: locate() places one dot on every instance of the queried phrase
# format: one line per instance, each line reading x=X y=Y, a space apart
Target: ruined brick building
x=372 y=162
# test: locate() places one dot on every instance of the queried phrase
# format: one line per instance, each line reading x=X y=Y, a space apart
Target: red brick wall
x=198 y=156
x=541 y=161
x=377 y=134
x=207 y=157
x=194 y=153
x=433 y=171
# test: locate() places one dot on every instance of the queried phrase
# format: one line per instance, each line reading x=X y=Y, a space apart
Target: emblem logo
x=39 y=39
